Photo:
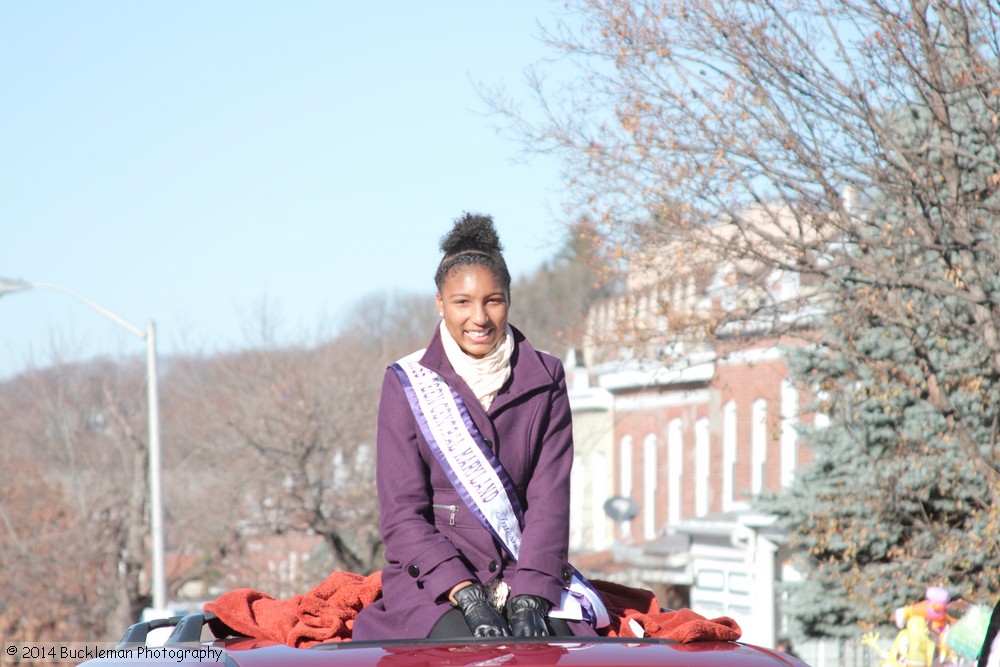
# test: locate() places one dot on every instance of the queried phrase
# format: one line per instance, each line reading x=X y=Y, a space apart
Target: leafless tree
x=75 y=462
x=204 y=473
x=292 y=431
x=843 y=147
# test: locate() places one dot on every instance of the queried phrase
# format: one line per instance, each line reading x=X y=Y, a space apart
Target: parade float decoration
x=935 y=630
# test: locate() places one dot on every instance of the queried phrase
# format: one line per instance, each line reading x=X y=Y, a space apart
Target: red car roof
x=188 y=644
x=499 y=652
x=506 y=652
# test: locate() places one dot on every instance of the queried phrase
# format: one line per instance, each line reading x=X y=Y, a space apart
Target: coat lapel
x=529 y=375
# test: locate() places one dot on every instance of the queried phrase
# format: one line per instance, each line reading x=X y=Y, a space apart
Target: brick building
x=691 y=446
x=704 y=439
x=694 y=431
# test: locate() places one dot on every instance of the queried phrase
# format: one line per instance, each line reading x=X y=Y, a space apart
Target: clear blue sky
x=186 y=161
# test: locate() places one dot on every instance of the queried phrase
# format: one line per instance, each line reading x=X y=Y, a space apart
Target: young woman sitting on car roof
x=474 y=451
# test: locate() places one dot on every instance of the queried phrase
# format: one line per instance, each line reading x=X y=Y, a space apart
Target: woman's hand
x=527 y=616
x=483 y=618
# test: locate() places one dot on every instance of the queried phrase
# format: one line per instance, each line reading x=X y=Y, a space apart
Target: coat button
x=493 y=566
x=413 y=571
x=567 y=574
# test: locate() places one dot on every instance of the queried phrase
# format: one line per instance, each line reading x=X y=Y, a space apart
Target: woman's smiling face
x=474 y=306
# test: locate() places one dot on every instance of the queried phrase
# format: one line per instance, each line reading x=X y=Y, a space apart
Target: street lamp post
x=159 y=586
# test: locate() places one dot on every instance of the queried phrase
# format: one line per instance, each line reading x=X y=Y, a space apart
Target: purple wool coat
x=432 y=541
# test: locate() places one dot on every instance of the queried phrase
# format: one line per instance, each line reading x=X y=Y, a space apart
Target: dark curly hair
x=473 y=241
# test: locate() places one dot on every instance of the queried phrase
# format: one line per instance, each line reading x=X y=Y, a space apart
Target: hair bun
x=473 y=241
x=473 y=231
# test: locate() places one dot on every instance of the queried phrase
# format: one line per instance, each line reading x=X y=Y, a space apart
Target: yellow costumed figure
x=913 y=647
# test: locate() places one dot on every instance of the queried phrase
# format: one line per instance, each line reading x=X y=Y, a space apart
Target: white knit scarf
x=484 y=376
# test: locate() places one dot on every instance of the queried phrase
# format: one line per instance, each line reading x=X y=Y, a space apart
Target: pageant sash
x=478 y=476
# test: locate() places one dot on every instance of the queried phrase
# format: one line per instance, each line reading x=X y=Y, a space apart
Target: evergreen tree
x=889 y=505
x=900 y=495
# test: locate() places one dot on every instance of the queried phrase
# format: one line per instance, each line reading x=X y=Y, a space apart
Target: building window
x=728 y=456
x=675 y=469
x=625 y=477
x=758 y=445
x=649 y=486
x=789 y=436
x=599 y=487
x=701 y=467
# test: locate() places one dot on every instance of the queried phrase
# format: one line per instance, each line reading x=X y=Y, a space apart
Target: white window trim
x=625 y=477
x=789 y=432
x=758 y=445
x=702 y=467
x=649 y=478
x=675 y=469
x=729 y=453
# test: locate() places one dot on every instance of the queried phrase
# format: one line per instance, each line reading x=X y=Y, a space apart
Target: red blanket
x=327 y=613
x=629 y=607
x=324 y=614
